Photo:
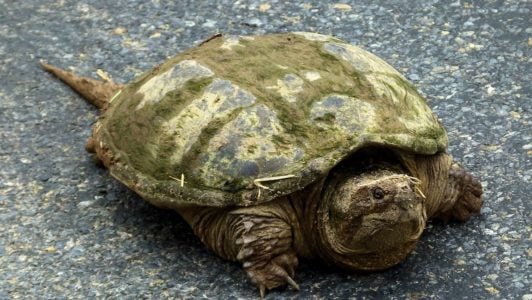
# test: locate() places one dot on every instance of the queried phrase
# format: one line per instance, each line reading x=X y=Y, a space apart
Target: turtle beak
x=408 y=200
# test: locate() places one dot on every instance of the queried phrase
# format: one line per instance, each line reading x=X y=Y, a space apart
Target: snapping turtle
x=284 y=145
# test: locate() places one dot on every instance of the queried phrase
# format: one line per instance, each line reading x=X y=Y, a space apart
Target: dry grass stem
x=180 y=180
x=258 y=181
x=116 y=95
x=103 y=75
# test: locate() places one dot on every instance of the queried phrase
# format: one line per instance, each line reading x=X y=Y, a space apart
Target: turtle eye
x=378 y=193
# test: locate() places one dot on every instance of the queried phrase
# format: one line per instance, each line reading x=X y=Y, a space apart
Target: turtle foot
x=469 y=195
x=266 y=253
x=277 y=272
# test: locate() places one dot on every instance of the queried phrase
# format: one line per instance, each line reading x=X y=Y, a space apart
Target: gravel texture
x=71 y=231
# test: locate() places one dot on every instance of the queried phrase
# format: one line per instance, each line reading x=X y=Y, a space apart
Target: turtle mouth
x=378 y=233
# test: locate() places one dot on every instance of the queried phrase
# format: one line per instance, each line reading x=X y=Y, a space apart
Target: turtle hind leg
x=467 y=190
x=96 y=92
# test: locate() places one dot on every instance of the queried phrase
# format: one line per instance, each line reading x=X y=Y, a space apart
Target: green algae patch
x=237 y=109
x=139 y=135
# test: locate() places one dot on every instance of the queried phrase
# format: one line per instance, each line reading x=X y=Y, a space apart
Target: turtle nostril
x=407 y=187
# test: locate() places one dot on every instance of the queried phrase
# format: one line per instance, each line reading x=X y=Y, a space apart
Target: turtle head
x=370 y=221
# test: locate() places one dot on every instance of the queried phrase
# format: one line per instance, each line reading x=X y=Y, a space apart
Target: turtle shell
x=240 y=120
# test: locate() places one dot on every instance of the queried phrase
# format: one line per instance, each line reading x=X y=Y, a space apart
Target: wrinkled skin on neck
x=367 y=221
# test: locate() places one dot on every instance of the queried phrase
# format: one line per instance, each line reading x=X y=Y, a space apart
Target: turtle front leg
x=259 y=237
x=265 y=250
x=464 y=192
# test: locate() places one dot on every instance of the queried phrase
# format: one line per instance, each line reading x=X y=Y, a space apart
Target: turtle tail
x=96 y=92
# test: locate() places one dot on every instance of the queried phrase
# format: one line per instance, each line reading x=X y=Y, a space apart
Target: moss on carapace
x=257 y=65
x=138 y=135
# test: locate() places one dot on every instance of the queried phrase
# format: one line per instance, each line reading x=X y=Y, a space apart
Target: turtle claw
x=289 y=280
x=292 y=282
x=274 y=273
x=262 y=289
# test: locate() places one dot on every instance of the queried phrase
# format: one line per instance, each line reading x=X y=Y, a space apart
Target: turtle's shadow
x=164 y=226
x=180 y=253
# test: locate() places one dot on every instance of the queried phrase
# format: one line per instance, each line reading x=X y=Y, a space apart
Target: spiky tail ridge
x=96 y=92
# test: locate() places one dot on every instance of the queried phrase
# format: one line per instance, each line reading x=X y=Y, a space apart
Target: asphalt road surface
x=69 y=231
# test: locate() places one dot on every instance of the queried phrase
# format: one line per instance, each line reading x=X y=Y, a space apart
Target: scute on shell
x=243 y=120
